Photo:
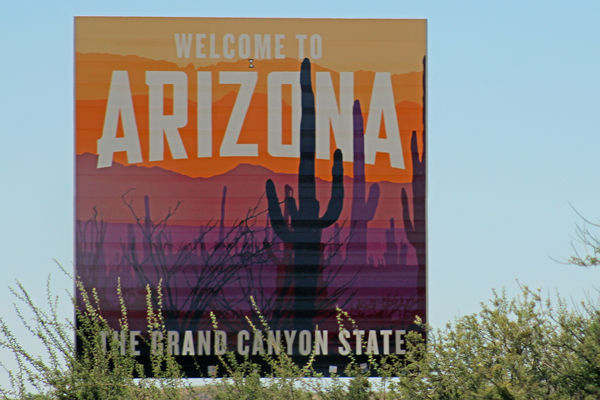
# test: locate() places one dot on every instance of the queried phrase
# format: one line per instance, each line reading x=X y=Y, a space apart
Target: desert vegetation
x=526 y=347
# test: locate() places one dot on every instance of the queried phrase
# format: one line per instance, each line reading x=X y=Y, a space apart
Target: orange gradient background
x=104 y=45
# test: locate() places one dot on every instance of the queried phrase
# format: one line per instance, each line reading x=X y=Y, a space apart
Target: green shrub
x=94 y=373
x=519 y=348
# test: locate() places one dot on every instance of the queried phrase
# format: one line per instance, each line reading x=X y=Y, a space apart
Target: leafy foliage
x=99 y=371
x=519 y=348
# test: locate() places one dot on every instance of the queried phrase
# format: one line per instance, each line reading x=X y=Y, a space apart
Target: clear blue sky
x=514 y=136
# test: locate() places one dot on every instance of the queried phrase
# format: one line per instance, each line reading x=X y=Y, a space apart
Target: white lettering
x=289 y=341
x=400 y=342
x=321 y=342
x=386 y=340
x=244 y=46
x=258 y=346
x=173 y=342
x=301 y=39
x=203 y=343
x=213 y=46
x=204 y=114
x=220 y=342
x=276 y=148
x=227 y=39
x=316 y=46
x=341 y=118
x=262 y=47
x=120 y=340
x=344 y=349
x=279 y=46
x=304 y=342
x=133 y=342
x=200 y=45
x=119 y=103
x=372 y=345
x=183 y=44
x=333 y=116
x=274 y=342
x=243 y=349
x=382 y=103
x=230 y=146
x=167 y=124
x=359 y=334
x=188 y=344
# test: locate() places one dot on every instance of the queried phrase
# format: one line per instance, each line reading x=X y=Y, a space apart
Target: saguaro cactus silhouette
x=306 y=226
x=415 y=231
x=284 y=285
x=362 y=211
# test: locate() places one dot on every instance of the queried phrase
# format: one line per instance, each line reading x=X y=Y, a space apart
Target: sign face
x=235 y=164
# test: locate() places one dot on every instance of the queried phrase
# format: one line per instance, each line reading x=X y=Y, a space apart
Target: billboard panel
x=280 y=161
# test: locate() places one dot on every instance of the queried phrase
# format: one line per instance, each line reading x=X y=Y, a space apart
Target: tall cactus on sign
x=306 y=227
x=415 y=231
x=363 y=210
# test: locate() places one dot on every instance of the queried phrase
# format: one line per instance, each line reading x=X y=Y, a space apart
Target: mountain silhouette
x=201 y=197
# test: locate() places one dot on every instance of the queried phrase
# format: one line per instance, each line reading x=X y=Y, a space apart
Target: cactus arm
x=418 y=183
x=275 y=214
x=336 y=202
x=372 y=202
x=418 y=165
x=408 y=226
x=292 y=209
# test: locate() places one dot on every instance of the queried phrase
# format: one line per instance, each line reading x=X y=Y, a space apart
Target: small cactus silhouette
x=362 y=211
x=222 y=222
x=391 y=248
x=306 y=227
x=403 y=257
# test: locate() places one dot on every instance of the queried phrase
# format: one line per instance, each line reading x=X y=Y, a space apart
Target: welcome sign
x=242 y=164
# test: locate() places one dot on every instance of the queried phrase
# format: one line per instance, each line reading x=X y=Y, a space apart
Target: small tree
x=591 y=245
x=98 y=369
